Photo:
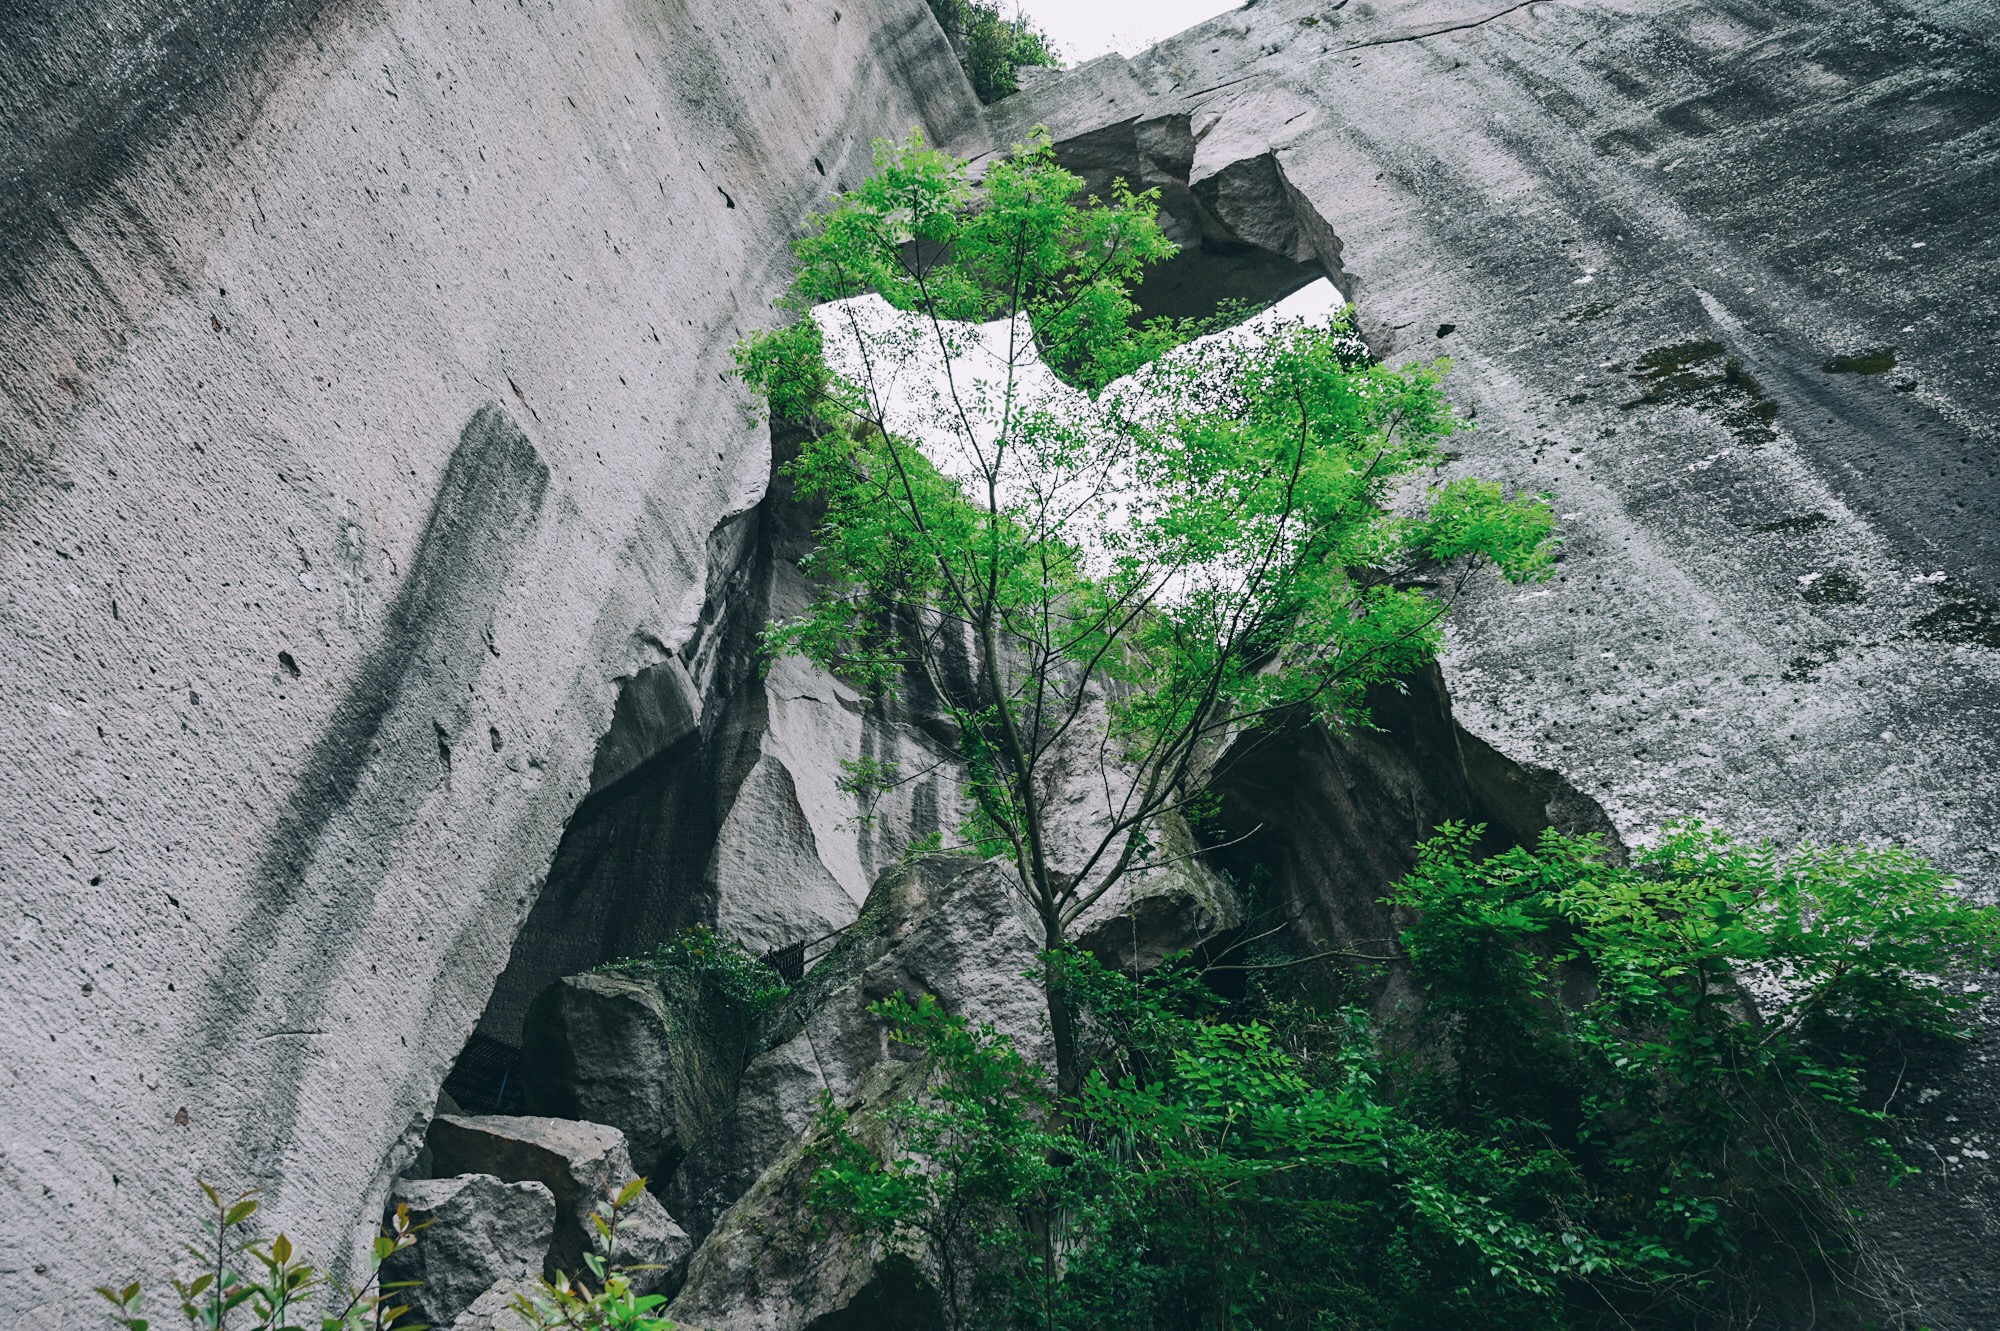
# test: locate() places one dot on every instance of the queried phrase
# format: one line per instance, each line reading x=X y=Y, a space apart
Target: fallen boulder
x=581 y=1164
x=493 y=1309
x=477 y=1232
x=649 y=1048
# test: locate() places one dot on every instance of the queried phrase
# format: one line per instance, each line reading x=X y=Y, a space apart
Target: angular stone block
x=477 y=1232
x=581 y=1164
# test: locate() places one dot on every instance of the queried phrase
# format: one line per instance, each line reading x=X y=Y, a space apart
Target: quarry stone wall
x=381 y=535
x=364 y=422
x=1722 y=277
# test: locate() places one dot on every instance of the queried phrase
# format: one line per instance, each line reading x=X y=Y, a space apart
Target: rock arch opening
x=1247 y=236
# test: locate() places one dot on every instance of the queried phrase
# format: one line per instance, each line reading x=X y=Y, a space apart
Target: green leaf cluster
x=1079 y=521
x=1617 y=1095
x=253 y=1284
x=727 y=974
x=1690 y=1029
x=257 y=1284
x=990 y=46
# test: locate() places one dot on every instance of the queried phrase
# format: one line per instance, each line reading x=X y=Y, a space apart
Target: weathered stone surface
x=735 y=817
x=949 y=926
x=374 y=510
x=772 y=1264
x=945 y=925
x=1667 y=349
x=492 y=1310
x=1331 y=819
x=479 y=1233
x=364 y=420
x=651 y=1051
x=582 y=1165
x=1718 y=278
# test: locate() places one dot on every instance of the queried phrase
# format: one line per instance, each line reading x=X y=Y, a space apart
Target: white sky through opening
x=953 y=418
x=1085 y=29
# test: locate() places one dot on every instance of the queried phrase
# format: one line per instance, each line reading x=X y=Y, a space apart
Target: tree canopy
x=1172 y=541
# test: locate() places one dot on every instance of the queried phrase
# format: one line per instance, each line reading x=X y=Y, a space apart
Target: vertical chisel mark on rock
x=444 y=755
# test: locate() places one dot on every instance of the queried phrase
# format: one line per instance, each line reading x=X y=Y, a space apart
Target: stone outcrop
x=1331 y=819
x=478 y=1234
x=384 y=546
x=947 y=925
x=668 y=1059
x=492 y=1311
x=1718 y=278
x=649 y=1050
x=772 y=1264
x=582 y=1166
x=365 y=421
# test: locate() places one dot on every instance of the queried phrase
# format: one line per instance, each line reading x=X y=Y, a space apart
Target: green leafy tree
x=1121 y=567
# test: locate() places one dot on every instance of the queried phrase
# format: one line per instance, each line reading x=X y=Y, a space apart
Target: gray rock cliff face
x=365 y=422
x=1722 y=278
x=384 y=545
x=1658 y=242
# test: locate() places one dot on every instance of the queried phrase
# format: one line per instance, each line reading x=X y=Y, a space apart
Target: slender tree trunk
x=1062 y=1023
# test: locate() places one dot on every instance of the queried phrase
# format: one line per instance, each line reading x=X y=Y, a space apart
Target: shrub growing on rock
x=992 y=47
x=1627 y=1095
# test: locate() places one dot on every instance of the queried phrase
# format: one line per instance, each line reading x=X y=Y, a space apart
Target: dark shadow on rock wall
x=1322 y=822
x=383 y=754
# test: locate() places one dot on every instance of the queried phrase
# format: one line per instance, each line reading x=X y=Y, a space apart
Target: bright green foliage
x=255 y=1284
x=1211 y=1172
x=1213 y=535
x=600 y=1298
x=991 y=47
x=976 y=1166
x=1628 y=1094
x=727 y=975
x=1688 y=1028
